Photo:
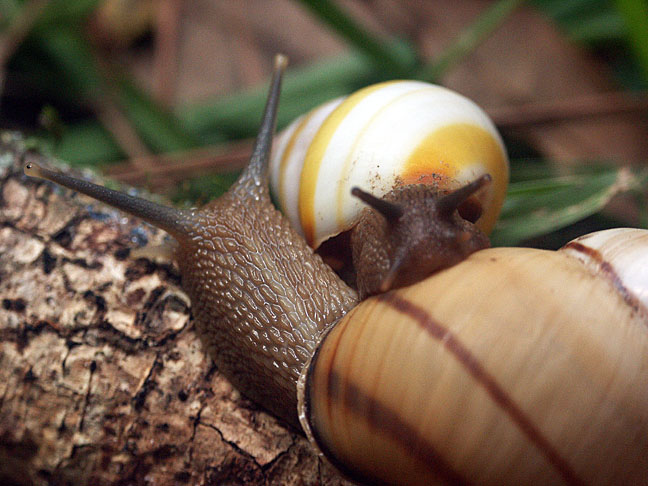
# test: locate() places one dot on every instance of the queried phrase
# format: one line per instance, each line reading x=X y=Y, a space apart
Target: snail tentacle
x=174 y=221
x=256 y=172
x=391 y=211
x=451 y=202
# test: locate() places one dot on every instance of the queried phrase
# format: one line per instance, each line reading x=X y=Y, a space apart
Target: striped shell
x=618 y=254
x=516 y=366
x=393 y=133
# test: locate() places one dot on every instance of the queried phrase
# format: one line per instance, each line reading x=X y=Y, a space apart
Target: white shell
x=619 y=254
x=292 y=144
x=379 y=137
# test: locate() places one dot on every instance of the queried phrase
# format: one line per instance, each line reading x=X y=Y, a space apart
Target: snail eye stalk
x=447 y=204
x=391 y=211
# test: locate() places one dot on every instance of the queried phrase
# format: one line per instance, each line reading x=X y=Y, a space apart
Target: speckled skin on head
x=410 y=233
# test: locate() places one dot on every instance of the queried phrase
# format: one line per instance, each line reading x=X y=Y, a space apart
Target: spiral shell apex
x=383 y=136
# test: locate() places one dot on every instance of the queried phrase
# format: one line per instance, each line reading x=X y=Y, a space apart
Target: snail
x=390 y=138
x=511 y=366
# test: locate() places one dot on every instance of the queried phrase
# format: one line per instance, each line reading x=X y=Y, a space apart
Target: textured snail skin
x=259 y=295
x=516 y=366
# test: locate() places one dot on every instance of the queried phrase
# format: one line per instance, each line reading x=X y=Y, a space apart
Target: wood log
x=103 y=380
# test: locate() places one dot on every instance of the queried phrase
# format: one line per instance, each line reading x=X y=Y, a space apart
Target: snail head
x=413 y=232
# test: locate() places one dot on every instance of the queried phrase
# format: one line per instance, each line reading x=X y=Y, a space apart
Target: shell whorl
x=619 y=255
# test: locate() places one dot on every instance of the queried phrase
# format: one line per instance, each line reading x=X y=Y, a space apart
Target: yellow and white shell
x=385 y=135
x=515 y=366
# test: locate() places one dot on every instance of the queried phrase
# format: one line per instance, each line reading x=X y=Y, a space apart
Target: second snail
x=383 y=139
x=513 y=366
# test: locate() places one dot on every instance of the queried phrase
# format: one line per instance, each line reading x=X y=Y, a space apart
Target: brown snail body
x=259 y=296
x=457 y=389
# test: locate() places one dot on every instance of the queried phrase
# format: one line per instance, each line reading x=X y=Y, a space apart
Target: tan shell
x=517 y=366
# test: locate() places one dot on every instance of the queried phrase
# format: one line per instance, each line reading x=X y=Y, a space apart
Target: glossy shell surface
x=382 y=136
x=619 y=254
x=516 y=366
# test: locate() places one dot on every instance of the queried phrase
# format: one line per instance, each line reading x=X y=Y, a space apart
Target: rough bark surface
x=102 y=378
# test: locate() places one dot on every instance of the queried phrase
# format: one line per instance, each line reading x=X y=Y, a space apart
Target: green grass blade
x=67 y=12
x=88 y=143
x=635 y=15
x=9 y=9
x=398 y=59
x=469 y=39
x=598 y=28
x=304 y=88
x=68 y=51
x=160 y=130
x=238 y=115
x=586 y=21
x=569 y=13
x=536 y=207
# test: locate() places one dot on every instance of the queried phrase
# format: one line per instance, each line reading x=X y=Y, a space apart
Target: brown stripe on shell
x=452 y=343
x=389 y=422
x=381 y=417
x=610 y=273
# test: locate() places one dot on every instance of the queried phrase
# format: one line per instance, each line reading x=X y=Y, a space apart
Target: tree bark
x=102 y=378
